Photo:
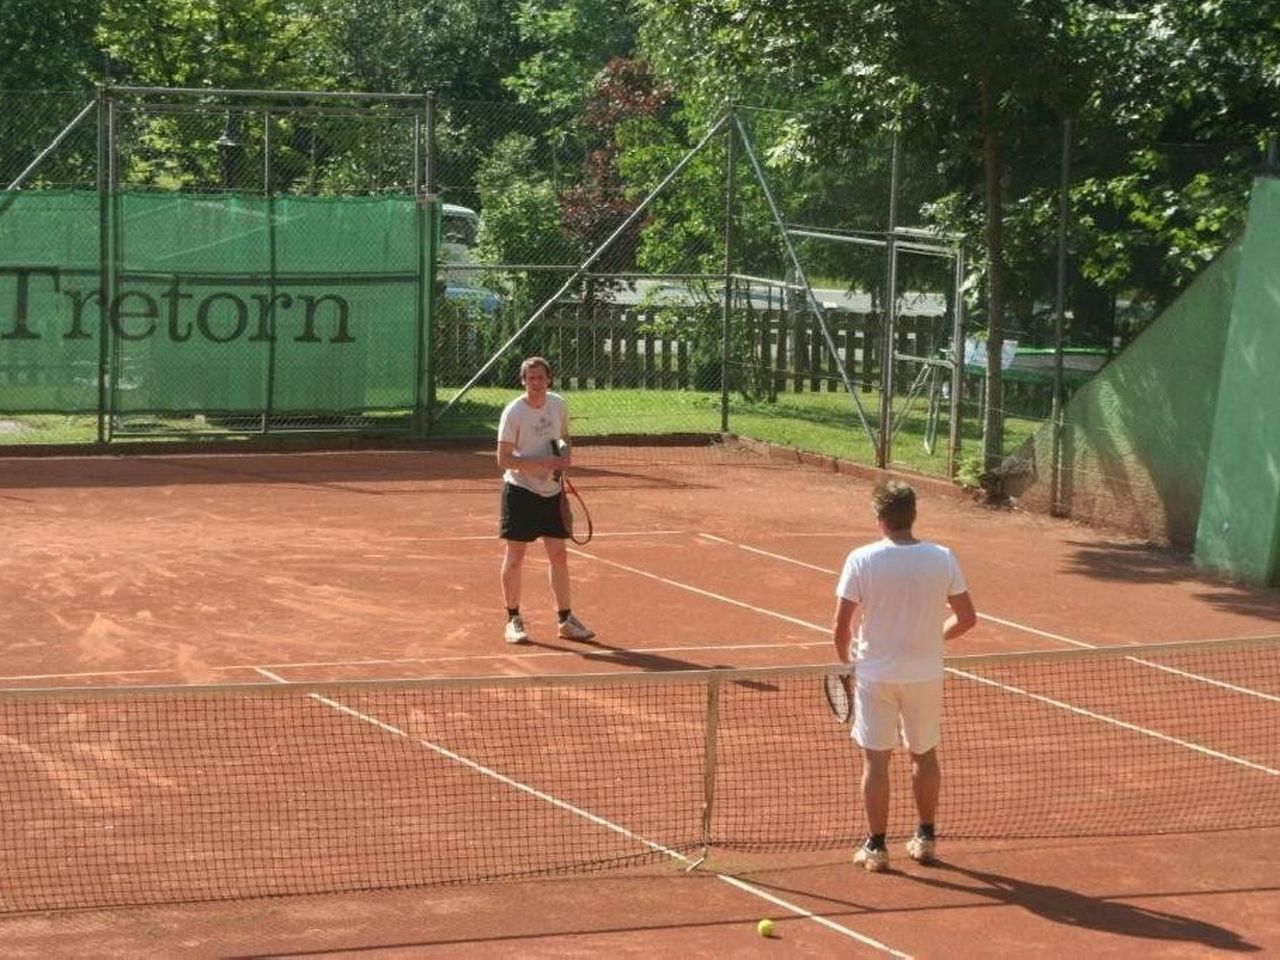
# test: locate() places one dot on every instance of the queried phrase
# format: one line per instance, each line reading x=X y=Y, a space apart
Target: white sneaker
x=875 y=861
x=922 y=849
x=573 y=629
x=515 y=632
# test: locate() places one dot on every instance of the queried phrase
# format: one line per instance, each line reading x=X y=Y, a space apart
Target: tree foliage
x=1170 y=103
x=983 y=88
x=48 y=59
x=625 y=93
x=254 y=44
x=462 y=48
x=48 y=44
x=567 y=43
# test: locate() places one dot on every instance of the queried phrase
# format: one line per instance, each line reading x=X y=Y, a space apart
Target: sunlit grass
x=823 y=422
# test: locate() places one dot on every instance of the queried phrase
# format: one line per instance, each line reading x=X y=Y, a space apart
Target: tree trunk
x=993 y=419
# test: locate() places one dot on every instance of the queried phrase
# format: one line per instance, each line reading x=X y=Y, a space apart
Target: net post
x=711 y=734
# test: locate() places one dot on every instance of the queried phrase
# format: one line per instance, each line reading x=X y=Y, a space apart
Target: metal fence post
x=1059 y=317
x=428 y=219
x=884 y=448
x=957 y=364
x=730 y=192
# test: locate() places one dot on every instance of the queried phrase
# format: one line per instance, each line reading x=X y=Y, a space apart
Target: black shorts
x=527 y=516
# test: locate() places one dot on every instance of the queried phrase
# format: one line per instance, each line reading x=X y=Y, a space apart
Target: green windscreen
x=291 y=305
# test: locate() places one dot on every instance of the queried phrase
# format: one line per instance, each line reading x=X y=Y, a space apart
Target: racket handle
x=557 y=450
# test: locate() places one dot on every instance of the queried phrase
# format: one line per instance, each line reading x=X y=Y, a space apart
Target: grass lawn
x=821 y=422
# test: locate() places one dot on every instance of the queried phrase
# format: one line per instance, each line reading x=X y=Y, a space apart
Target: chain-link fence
x=215 y=262
x=238 y=262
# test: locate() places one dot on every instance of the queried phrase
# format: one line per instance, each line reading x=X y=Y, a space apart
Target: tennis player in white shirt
x=532 y=428
x=901 y=587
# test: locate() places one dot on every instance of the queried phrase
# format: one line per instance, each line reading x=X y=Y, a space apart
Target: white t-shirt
x=531 y=431
x=902 y=591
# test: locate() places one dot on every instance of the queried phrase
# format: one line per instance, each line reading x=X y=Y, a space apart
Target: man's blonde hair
x=894 y=502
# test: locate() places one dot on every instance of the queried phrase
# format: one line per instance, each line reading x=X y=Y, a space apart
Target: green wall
x=1239 y=524
x=1136 y=438
x=1178 y=439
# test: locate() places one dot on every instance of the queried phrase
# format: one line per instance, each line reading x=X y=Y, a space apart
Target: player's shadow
x=1073 y=909
x=594 y=650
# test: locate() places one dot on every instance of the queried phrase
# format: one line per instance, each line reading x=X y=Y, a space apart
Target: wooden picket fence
x=609 y=346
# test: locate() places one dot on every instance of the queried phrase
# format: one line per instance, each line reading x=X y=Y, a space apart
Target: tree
x=568 y=43
x=521 y=222
x=462 y=48
x=624 y=93
x=1170 y=101
x=254 y=44
x=875 y=64
x=48 y=44
x=1170 y=137
x=48 y=63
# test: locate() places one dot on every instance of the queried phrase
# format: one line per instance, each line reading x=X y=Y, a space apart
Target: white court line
x=602 y=535
x=1247 y=691
x=576 y=653
x=1155 y=734
x=595 y=819
x=1097 y=716
x=836 y=573
x=698 y=590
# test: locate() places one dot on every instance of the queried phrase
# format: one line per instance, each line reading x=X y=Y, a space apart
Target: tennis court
x=1091 y=801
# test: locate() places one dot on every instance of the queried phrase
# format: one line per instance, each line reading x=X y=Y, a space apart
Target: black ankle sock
x=513 y=612
x=925 y=830
x=875 y=841
x=563 y=615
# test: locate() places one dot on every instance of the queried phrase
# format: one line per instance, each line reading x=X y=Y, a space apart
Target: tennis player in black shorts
x=532 y=428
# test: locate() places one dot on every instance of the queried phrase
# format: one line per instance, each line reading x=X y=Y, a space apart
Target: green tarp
x=217 y=304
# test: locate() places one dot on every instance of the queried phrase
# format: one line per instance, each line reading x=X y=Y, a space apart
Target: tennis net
x=151 y=795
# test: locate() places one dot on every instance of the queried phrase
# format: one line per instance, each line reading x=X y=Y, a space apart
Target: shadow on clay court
x=1061 y=905
x=1144 y=563
x=1055 y=904
x=1133 y=562
x=594 y=650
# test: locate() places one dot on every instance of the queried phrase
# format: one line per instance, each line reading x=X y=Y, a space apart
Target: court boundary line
x=596 y=820
x=603 y=653
x=1123 y=724
x=1081 y=644
x=598 y=535
x=835 y=573
x=1102 y=651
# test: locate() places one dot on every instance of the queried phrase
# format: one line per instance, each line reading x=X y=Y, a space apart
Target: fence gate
x=924 y=338
x=263 y=259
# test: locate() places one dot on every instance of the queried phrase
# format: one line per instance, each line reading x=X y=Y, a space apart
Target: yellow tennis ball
x=765 y=927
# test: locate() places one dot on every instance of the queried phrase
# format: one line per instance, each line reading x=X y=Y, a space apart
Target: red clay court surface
x=354 y=565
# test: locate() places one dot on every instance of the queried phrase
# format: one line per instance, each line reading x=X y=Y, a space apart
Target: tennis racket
x=576 y=516
x=838 y=689
x=577 y=519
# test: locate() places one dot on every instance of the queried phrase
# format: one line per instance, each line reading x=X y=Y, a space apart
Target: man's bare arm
x=508 y=459
x=842 y=630
x=963 y=616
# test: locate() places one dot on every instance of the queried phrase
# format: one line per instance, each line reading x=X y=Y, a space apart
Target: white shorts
x=884 y=709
